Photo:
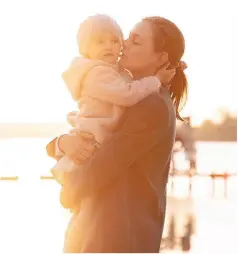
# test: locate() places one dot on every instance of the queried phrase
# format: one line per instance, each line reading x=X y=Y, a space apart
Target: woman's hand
x=78 y=146
x=165 y=75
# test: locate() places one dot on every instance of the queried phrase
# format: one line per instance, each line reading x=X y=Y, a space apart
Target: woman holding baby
x=116 y=163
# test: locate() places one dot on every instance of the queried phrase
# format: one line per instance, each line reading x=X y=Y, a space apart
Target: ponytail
x=178 y=91
x=168 y=38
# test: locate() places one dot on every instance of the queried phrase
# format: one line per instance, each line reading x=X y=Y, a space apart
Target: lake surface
x=32 y=220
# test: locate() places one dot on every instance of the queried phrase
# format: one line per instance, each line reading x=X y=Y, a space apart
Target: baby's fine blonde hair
x=92 y=25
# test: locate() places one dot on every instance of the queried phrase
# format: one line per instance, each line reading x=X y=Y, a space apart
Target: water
x=32 y=219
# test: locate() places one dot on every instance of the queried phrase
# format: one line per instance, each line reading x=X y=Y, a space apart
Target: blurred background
x=38 y=40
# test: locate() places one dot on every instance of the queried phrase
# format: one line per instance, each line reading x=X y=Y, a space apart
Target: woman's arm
x=79 y=146
x=144 y=126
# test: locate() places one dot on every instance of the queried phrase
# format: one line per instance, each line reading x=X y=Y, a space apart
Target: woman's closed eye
x=136 y=42
x=134 y=39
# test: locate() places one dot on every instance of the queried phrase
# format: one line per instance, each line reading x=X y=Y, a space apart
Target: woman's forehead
x=142 y=30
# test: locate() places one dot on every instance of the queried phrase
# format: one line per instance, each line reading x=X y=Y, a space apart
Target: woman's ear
x=162 y=58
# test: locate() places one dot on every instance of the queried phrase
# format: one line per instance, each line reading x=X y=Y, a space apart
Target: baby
x=99 y=85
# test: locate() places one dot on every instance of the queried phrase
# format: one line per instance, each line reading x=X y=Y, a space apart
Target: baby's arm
x=106 y=84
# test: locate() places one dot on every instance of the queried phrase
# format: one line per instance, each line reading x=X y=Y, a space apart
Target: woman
x=123 y=189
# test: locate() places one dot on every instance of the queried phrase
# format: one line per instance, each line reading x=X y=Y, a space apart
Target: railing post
x=9 y=178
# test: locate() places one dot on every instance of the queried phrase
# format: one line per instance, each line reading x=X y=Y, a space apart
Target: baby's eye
x=99 y=41
x=115 y=41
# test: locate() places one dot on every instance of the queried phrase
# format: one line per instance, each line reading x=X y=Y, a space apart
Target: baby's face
x=105 y=46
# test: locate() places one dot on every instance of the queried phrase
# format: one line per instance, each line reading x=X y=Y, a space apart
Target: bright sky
x=38 y=39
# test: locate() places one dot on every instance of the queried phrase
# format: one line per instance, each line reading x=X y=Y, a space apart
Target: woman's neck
x=142 y=74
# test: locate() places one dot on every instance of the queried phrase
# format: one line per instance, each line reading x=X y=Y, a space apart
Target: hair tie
x=182 y=65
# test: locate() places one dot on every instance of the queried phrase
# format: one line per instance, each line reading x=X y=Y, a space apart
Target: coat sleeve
x=104 y=83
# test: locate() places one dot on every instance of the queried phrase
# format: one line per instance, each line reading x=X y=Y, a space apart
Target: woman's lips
x=123 y=54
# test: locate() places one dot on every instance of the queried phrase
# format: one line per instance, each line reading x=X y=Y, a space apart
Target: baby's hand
x=164 y=75
x=71 y=118
x=73 y=130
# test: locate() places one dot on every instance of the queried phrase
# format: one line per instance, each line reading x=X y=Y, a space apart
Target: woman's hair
x=168 y=38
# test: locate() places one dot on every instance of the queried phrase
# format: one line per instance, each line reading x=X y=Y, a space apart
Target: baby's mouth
x=108 y=54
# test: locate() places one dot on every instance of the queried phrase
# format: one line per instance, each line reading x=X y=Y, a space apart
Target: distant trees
x=226 y=130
